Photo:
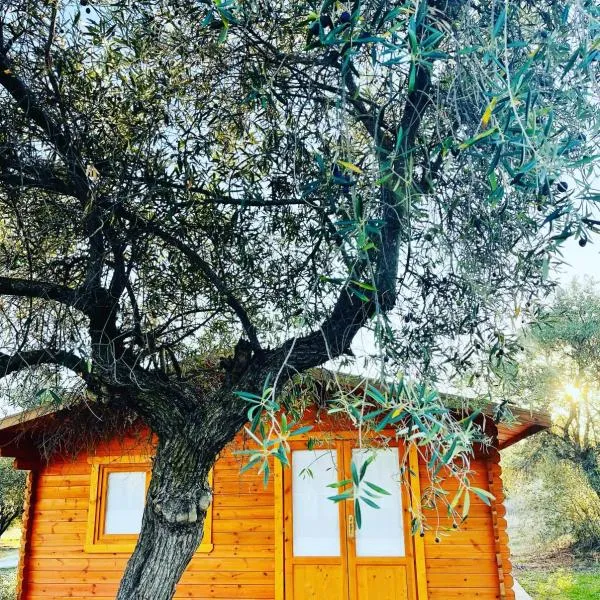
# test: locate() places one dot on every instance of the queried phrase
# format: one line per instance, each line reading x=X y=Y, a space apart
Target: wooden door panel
x=319 y=582
x=381 y=582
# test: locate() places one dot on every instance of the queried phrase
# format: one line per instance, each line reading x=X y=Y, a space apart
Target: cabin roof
x=28 y=423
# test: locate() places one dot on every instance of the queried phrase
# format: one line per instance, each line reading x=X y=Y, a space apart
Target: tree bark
x=173 y=522
x=591 y=469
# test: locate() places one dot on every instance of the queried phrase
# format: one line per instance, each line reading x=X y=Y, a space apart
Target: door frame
x=414 y=543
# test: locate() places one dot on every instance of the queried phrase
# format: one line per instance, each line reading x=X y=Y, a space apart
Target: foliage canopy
x=178 y=175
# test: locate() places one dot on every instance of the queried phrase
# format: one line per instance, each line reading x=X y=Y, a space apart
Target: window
x=118 y=487
x=316 y=519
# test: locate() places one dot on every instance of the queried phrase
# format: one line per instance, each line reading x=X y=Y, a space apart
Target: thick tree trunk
x=173 y=522
x=591 y=469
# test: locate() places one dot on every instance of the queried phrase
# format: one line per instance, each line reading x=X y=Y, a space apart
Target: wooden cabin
x=285 y=541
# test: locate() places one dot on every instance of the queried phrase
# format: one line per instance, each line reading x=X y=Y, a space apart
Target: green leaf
x=376 y=395
x=477 y=138
x=251 y=463
x=369 y=502
x=341 y=497
x=301 y=430
x=365 y=286
x=365 y=466
x=266 y=472
x=357 y=513
x=499 y=25
x=466 y=505
x=455 y=500
x=355 y=477
x=349 y=166
x=339 y=484
x=377 y=489
x=571 y=62
x=484 y=495
x=223 y=33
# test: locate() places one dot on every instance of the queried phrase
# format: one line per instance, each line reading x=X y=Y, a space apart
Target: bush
x=8 y=582
x=551 y=507
x=12 y=492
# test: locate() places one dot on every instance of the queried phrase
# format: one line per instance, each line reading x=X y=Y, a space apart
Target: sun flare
x=572 y=391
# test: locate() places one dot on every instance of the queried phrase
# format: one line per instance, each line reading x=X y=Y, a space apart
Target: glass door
x=380 y=565
x=315 y=540
x=326 y=555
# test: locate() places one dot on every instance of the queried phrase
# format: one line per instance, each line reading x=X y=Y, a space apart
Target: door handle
x=351 y=526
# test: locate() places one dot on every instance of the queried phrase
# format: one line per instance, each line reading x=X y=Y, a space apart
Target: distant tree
x=12 y=492
x=562 y=375
x=263 y=180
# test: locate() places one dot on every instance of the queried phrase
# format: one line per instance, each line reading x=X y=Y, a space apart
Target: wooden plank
x=61 y=591
x=502 y=550
x=236 y=501
x=463 y=580
x=66 y=492
x=418 y=541
x=459 y=594
x=198 y=564
x=98 y=576
x=243 y=537
x=244 y=525
x=461 y=565
x=222 y=551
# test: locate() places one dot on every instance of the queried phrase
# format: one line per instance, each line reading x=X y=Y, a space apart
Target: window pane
x=125 y=499
x=316 y=519
x=382 y=530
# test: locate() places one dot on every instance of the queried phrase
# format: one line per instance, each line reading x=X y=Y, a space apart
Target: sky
x=580 y=262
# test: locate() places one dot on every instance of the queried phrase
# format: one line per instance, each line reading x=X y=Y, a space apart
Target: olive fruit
x=314 y=28
x=326 y=21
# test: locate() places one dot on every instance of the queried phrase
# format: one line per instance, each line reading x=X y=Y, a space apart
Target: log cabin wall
x=246 y=560
x=240 y=566
x=472 y=562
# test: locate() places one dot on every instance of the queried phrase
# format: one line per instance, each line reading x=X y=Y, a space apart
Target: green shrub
x=8 y=581
x=550 y=508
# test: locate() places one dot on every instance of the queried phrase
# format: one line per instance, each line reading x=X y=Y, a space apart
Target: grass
x=562 y=584
x=559 y=576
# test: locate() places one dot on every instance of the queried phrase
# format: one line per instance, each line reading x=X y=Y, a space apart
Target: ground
x=559 y=576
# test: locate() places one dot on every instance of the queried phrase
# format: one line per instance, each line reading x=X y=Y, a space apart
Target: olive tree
x=260 y=181
x=12 y=494
x=562 y=377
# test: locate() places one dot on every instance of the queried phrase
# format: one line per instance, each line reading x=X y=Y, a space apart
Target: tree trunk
x=173 y=523
x=591 y=469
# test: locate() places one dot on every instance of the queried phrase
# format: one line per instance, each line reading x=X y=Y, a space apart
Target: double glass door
x=327 y=557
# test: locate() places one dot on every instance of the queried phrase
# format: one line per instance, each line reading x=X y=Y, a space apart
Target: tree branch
x=40 y=181
x=350 y=313
x=41 y=289
x=32 y=358
x=66 y=147
x=29 y=104
x=204 y=267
